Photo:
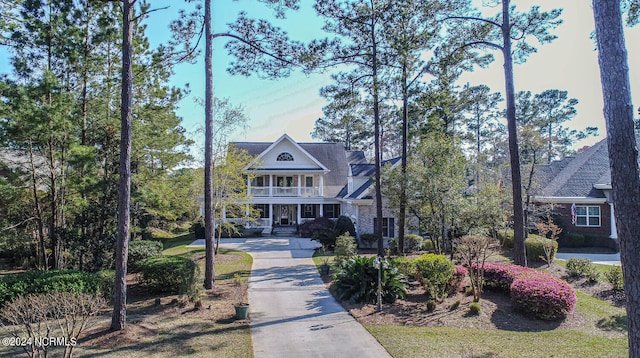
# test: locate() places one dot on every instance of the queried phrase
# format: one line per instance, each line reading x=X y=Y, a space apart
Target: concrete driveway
x=292 y=313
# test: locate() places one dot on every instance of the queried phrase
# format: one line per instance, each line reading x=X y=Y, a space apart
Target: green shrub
x=20 y=284
x=170 y=274
x=506 y=238
x=107 y=281
x=345 y=247
x=344 y=225
x=535 y=248
x=579 y=267
x=309 y=227
x=574 y=240
x=436 y=272
x=474 y=308
x=615 y=278
x=431 y=305
x=427 y=245
x=356 y=281
x=454 y=306
x=407 y=267
x=140 y=250
x=412 y=242
x=327 y=237
x=197 y=228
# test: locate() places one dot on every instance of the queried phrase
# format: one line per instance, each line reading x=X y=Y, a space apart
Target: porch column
x=299 y=186
x=321 y=184
x=270 y=215
x=614 y=230
x=299 y=215
x=321 y=209
x=270 y=185
x=248 y=185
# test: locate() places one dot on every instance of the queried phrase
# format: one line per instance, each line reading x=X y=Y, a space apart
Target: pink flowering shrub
x=458 y=282
x=540 y=294
x=543 y=296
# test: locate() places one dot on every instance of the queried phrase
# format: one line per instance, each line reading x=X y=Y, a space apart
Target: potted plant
x=240 y=289
x=324 y=268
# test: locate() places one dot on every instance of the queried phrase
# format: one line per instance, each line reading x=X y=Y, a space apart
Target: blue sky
x=291 y=105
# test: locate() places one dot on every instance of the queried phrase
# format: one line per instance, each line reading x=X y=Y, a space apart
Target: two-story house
x=296 y=182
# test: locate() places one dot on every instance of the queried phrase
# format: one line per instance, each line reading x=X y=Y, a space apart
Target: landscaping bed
x=411 y=328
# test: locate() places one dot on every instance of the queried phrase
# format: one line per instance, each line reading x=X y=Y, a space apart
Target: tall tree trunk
x=402 y=215
x=376 y=130
x=209 y=270
x=42 y=249
x=623 y=153
x=119 y=317
x=519 y=251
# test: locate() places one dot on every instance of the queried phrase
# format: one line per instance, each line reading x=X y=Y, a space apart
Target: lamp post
x=379 y=264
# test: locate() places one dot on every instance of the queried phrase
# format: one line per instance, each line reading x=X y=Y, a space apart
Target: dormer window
x=285 y=157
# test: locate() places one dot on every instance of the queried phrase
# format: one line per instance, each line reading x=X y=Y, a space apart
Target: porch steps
x=284 y=231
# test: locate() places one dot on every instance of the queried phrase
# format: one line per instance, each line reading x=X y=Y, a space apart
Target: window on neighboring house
x=263 y=210
x=331 y=211
x=588 y=216
x=308 y=211
x=388 y=226
x=285 y=157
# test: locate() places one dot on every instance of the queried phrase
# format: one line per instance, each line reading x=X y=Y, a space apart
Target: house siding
x=600 y=234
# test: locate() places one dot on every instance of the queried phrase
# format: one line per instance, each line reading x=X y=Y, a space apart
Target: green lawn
x=405 y=341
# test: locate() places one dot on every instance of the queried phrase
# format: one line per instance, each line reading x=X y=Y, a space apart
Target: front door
x=285 y=214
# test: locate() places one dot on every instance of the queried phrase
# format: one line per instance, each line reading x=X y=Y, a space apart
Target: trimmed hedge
x=533 y=292
x=436 y=272
x=140 y=250
x=535 y=248
x=36 y=282
x=170 y=274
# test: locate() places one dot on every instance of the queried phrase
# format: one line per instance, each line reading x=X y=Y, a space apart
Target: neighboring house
x=580 y=190
x=296 y=182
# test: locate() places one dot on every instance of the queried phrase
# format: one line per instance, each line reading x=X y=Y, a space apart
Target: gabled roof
x=331 y=156
x=582 y=176
x=285 y=137
x=364 y=170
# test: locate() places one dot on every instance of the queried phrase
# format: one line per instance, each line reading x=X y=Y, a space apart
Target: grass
x=173 y=328
x=405 y=341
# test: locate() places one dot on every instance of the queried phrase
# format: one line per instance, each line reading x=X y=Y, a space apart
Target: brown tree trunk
x=119 y=317
x=623 y=153
x=519 y=250
x=376 y=130
x=209 y=270
x=402 y=215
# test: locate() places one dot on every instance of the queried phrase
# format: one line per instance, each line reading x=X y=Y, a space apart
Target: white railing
x=259 y=191
x=285 y=191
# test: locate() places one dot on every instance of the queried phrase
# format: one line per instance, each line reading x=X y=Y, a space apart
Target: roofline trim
x=569 y=200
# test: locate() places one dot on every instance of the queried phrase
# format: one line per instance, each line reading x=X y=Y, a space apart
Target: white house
x=297 y=182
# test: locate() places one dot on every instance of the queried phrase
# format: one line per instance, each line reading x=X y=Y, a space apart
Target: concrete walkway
x=292 y=313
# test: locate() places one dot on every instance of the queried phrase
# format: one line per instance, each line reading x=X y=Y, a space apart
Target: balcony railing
x=286 y=191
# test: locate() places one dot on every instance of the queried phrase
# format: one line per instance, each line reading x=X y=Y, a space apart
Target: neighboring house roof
x=582 y=176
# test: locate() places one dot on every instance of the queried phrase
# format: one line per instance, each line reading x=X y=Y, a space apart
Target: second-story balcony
x=285 y=191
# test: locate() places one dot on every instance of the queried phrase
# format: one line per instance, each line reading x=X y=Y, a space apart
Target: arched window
x=285 y=157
